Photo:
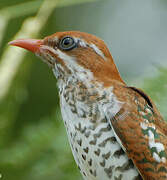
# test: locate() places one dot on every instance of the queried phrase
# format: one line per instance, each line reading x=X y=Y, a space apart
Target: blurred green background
x=33 y=141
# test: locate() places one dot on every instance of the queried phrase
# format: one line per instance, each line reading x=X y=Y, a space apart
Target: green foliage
x=34 y=144
x=72 y=2
x=156 y=88
x=15 y=10
x=33 y=141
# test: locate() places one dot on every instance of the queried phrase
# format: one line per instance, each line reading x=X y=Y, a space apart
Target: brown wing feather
x=143 y=132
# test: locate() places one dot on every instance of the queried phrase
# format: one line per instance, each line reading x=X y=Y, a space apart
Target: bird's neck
x=76 y=76
x=83 y=87
x=101 y=78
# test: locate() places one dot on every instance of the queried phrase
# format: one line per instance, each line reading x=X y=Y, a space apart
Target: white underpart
x=108 y=107
x=84 y=75
x=110 y=110
x=72 y=120
x=159 y=146
x=56 y=70
x=71 y=62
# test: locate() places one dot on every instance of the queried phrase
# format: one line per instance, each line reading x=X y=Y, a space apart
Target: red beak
x=32 y=45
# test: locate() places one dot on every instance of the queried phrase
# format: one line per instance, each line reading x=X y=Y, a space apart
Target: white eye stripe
x=97 y=50
x=82 y=43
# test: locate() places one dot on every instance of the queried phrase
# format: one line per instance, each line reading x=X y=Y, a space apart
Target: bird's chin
x=57 y=68
x=46 y=57
x=47 y=61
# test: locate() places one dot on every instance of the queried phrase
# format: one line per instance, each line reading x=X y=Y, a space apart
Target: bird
x=115 y=131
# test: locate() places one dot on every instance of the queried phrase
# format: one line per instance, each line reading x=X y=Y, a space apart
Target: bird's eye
x=67 y=43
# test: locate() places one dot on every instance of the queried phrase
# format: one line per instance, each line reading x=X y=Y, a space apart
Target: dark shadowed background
x=33 y=141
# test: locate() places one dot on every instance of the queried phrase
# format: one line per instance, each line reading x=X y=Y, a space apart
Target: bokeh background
x=33 y=141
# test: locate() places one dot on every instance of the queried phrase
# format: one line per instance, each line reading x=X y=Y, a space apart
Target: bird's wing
x=142 y=132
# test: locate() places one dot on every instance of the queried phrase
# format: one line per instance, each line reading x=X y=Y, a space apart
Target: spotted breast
x=115 y=131
x=93 y=143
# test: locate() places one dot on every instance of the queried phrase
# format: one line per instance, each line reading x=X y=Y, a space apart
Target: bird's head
x=82 y=55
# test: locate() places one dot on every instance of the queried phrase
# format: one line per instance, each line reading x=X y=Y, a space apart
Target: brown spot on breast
x=118 y=153
x=103 y=163
x=79 y=142
x=127 y=165
x=97 y=135
x=91 y=172
x=86 y=149
x=110 y=139
x=90 y=162
x=118 y=178
x=84 y=173
x=138 y=178
x=108 y=128
x=109 y=171
x=93 y=142
x=84 y=157
x=107 y=155
x=87 y=134
x=97 y=152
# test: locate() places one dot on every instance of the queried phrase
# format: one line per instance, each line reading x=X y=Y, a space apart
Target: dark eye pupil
x=67 y=43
